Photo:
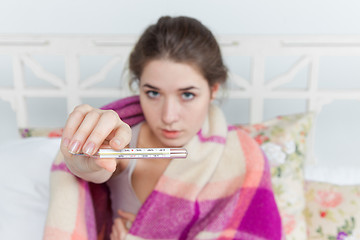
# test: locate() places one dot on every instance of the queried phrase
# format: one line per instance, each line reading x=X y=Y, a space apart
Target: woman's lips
x=171 y=134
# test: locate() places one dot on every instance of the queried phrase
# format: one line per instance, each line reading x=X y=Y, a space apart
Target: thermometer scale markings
x=142 y=153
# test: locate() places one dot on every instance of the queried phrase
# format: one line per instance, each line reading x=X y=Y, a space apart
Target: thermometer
x=141 y=153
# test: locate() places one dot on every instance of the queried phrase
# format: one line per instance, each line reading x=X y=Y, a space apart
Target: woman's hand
x=121 y=225
x=86 y=130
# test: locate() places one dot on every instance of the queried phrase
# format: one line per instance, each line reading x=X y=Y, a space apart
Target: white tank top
x=122 y=193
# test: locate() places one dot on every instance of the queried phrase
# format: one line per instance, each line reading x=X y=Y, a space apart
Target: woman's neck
x=147 y=138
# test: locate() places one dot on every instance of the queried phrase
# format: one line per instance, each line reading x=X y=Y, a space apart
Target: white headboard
x=251 y=87
x=309 y=49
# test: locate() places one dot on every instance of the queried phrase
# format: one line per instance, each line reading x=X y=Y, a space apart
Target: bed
x=296 y=95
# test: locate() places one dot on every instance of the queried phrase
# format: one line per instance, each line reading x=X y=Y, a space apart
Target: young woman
x=222 y=190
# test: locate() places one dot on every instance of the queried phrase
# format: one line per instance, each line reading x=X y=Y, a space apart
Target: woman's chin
x=173 y=142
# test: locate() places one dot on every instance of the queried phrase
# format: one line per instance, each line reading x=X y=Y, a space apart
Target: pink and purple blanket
x=221 y=191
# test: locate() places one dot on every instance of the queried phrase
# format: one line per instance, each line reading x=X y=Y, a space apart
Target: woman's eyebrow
x=181 y=89
x=150 y=86
x=188 y=88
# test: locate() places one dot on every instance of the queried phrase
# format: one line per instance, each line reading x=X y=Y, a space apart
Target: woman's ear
x=214 y=90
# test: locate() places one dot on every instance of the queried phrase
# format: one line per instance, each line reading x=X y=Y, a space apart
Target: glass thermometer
x=141 y=153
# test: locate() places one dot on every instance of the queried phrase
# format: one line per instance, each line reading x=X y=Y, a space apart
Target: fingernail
x=89 y=148
x=74 y=147
x=66 y=142
x=128 y=224
x=117 y=142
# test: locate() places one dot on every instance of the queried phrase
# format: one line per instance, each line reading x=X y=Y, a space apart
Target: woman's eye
x=152 y=94
x=188 y=95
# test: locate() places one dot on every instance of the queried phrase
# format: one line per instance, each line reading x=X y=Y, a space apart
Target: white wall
x=222 y=16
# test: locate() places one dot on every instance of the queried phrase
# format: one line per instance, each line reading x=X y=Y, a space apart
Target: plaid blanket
x=222 y=190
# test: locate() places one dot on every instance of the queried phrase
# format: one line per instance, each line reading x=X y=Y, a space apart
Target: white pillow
x=24 y=186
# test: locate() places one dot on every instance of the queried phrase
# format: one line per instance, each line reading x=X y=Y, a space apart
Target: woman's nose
x=170 y=111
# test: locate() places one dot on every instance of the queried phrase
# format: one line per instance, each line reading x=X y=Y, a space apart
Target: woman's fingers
x=86 y=130
x=108 y=127
x=121 y=138
x=118 y=230
x=126 y=215
x=72 y=124
x=82 y=133
x=128 y=218
x=115 y=235
x=107 y=122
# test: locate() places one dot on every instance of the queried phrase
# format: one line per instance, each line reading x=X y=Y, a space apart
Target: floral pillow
x=283 y=140
x=332 y=211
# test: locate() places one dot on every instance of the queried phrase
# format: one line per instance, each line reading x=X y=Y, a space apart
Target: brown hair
x=180 y=39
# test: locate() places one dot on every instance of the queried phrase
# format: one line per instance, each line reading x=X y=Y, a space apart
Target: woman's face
x=175 y=99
